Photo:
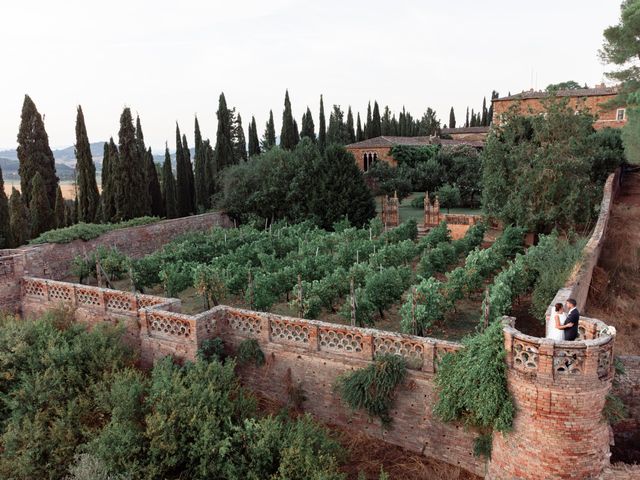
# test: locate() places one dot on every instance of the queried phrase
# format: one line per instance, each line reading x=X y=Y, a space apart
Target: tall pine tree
x=376 y=129
x=239 y=141
x=200 y=171
x=269 y=138
x=308 y=128
x=6 y=237
x=224 y=136
x=88 y=196
x=254 y=142
x=322 y=128
x=359 y=132
x=155 y=193
x=452 y=118
x=287 y=134
x=19 y=219
x=42 y=218
x=34 y=154
x=169 y=186
x=350 y=130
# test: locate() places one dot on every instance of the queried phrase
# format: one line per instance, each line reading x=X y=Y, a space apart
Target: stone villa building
x=369 y=151
x=593 y=99
x=474 y=134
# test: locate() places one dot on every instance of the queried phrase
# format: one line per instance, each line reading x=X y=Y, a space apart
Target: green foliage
x=88 y=231
x=176 y=277
x=385 y=287
x=424 y=306
x=523 y=182
x=482 y=445
x=223 y=151
x=211 y=349
x=19 y=215
x=449 y=196
x=436 y=235
x=210 y=284
x=169 y=187
x=568 y=85
x=472 y=383
x=372 y=388
x=6 y=237
x=614 y=410
x=88 y=196
x=405 y=231
x=42 y=218
x=287 y=134
x=387 y=180
x=113 y=262
x=249 y=352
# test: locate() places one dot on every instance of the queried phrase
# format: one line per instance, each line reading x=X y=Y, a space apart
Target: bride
x=556 y=321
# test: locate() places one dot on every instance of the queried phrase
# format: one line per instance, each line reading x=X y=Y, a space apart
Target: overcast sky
x=170 y=60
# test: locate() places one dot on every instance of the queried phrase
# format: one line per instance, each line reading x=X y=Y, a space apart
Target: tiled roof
x=449 y=131
x=388 y=141
x=581 y=92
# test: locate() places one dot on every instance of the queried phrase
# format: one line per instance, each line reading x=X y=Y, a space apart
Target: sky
x=168 y=61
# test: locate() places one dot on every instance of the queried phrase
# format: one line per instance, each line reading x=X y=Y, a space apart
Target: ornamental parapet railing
x=588 y=357
x=421 y=353
x=94 y=298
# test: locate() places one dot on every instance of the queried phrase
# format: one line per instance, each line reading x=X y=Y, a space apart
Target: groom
x=570 y=325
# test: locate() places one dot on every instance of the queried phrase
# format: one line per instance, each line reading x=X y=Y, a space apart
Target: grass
x=407 y=212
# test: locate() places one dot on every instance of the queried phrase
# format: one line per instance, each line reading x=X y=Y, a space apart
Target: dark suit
x=571 y=333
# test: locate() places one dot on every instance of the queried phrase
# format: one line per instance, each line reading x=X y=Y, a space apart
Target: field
x=68 y=188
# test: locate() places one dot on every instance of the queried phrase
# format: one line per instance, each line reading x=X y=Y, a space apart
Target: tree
x=350 y=130
x=6 y=237
x=322 y=129
x=269 y=138
x=110 y=162
x=211 y=172
x=169 y=186
x=568 y=85
x=183 y=203
x=19 y=224
x=88 y=196
x=42 y=218
x=466 y=123
x=141 y=150
x=287 y=134
x=359 y=132
x=223 y=152
x=308 y=128
x=254 y=143
x=239 y=141
x=376 y=128
x=129 y=178
x=58 y=210
x=449 y=196
x=367 y=126
x=34 y=154
x=200 y=167
x=494 y=95
x=484 y=120
x=452 y=118
x=337 y=133
x=155 y=193
x=429 y=123
x=342 y=190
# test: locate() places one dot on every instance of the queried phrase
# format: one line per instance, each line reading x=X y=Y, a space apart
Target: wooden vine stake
x=98 y=269
x=414 y=301
x=300 y=298
x=485 y=313
x=251 y=291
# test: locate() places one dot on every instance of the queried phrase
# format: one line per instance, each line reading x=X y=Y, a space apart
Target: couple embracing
x=563 y=321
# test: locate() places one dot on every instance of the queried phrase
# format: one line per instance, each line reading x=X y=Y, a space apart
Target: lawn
x=407 y=212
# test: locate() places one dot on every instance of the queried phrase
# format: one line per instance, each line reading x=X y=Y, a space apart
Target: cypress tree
x=141 y=154
x=296 y=132
x=129 y=176
x=88 y=196
x=254 y=143
x=169 y=186
x=155 y=194
x=19 y=223
x=41 y=215
x=367 y=126
x=494 y=95
x=58 y=210
x=485 y=113
x=350 y=129
x=376 y=129
x=239 y=141
x=466 y=123
x=452 y=118
x=211 y=171
x=6 y=238
x=269 y=139
x=308 y=128
x=224 y=144
x=183 y=193
x=200 y=172
x=322 y=128
x=34 y=153
x=359 y=132
x=190 y=179
x=109 y=166
x=287 y=135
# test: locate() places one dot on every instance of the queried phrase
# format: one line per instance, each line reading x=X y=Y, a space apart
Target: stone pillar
x=558 y=430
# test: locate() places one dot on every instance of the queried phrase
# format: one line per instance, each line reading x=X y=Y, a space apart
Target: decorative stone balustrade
x=543 y=359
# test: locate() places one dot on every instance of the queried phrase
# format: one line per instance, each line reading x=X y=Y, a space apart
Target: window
x=620 y=114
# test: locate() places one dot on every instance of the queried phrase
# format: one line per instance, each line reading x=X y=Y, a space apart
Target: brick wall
x=53 y=260
x=627 y=387
x=384 y=154
x=606 y=117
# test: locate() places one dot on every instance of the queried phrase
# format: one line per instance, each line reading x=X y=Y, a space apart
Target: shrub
x=472 y=383
x=88 y=231
x=249 y=352
x=211 y=349
x=112 y=261
x=424 y=306
x=373 y=388
x=435 y=236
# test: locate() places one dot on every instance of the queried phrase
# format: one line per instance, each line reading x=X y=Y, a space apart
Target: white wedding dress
x=553 y=332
